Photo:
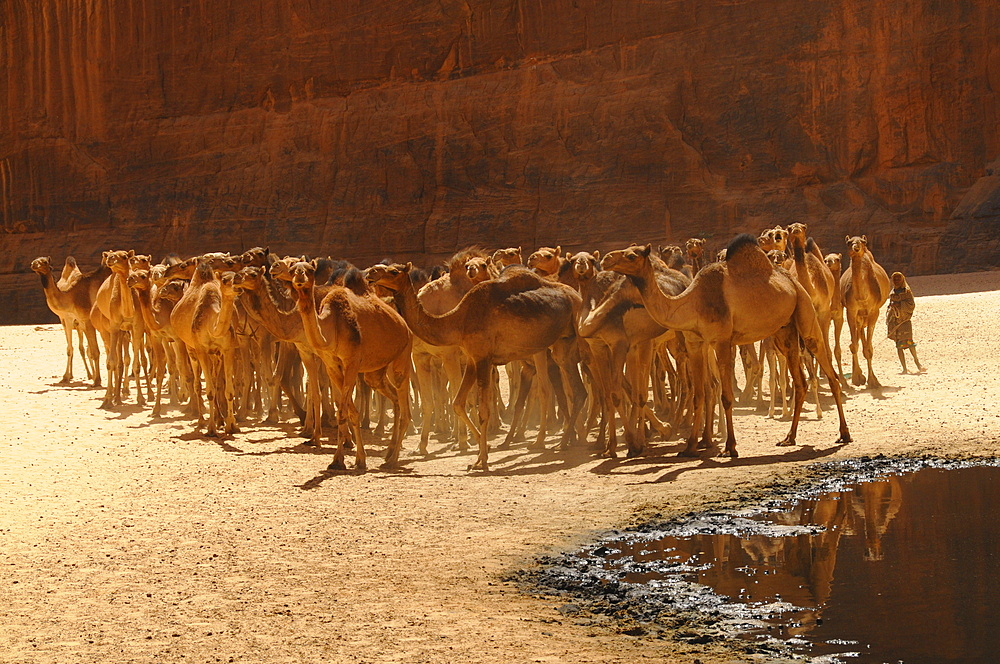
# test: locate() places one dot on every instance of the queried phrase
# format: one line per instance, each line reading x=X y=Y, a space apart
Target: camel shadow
x=324 y=475
x=76 y=386
x=220 y=440
x=798 y=454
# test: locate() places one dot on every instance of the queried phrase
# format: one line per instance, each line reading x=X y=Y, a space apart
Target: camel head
x=777 y=257
x=227 y=285
x=766 y=240
x=478 y=269
x=857 y=246
x=282 y=268
x=631 y=261
x=546 y=261
x=249 y=278
x=139 y=262
x=303 y=276
x=42 y=265
x=118 y=260
x=391 y=277
x=172 y=290
x=833 y=262
x=695 y=247
x=586 y=265
x=666 y=252
x=139 y=280
x=780 y=237
x=256 y=257
x=797 y=234
x=509 y=256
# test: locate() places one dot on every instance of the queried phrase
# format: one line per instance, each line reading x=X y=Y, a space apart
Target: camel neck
x=146 y=309
x=434 y=330
x=306 y=305
x=662 y=308
x=285 y=326
x=225 y=320
x=125 y=293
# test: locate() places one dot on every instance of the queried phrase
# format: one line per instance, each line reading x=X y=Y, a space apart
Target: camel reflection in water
x=797 y=569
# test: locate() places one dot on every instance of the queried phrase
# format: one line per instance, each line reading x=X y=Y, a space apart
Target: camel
x=833 y=261
x=503 y=257
x=155 y=305
x=546 y=262
x=202 y=320
x=266 y=304
x=519 y=315
x=740 y=301
x=621 y=339
x=71 y=299
x=114 y=315
x=695 y=250
x=354 y=332
x=809 y=269
x=865 y=288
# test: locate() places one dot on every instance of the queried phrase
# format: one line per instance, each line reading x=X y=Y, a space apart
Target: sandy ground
x=129 y=540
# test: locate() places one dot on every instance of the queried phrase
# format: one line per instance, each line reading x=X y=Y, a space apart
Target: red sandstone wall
x=364 y=128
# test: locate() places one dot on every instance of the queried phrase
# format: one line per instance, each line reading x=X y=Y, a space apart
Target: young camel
x=354 y=332
x=833 y=261
x=739 y=301
x=114 y=316
x=203 y=320
x=517 y=316
x=71 y=299
x=865 y=287
x=621 y=337
x=155 y=305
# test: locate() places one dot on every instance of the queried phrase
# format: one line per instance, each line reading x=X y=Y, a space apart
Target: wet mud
x=758 y=578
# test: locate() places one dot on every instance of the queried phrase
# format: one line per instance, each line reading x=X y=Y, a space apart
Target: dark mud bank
x=656 y=597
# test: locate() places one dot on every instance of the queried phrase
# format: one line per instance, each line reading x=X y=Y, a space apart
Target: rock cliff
x=367 y=128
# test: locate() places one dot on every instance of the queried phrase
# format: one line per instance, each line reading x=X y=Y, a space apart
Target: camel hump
x=339 y=304
x=740 y=244
x=354 y=279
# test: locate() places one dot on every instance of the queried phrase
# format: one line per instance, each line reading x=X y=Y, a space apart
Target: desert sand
x=125 y=539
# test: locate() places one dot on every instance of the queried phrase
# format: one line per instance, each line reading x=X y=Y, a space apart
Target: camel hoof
x=844 y=439
x=478 y=465
x=873 y=384
x=689 y=453
x=66 y=380
x=858 y=379
x=361 y=466
x=633 y=453
x=212 y=433
x=729 y=453
x=609 y=454
x=422 y=450
x=787 y=442
x=337 y=464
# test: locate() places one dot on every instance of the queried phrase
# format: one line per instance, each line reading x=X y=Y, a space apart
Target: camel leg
x=229 y=389
x=726 y=362
x=314 y=401
x=544 y=388
x=159 y=368
x=637 y=380
x=857 y=376
x=699 y=377
x=398 y=377
x=456 y=377
x=838 y=326
x=823 y=357
x=93 y=352
x=869 y=351
x=67 y=326
x=788 y=345
x=461 y=396
x=83 y=351
x=483 y=374
x=527 y=375
x=424 y=378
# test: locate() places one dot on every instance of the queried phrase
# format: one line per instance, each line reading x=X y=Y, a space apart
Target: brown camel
x=465 y=269
x=547 y=262
x=519 y=315
x=695 y=250
x=354 y=332
x=809 y=269
x=504 y=257
x=155 y=305
x=266 y=303
x=622 y=337
x=115 y=316
x=833 y=261
x=202 y=319
x=71 y=299
x=865 y=288
x=740 y=301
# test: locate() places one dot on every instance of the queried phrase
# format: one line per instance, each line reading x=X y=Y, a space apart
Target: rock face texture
x=367 y=128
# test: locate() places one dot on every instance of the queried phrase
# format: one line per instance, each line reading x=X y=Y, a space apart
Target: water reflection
x=903 y=568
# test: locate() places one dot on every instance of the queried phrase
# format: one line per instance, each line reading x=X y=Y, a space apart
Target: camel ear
x=864 y=238
x=131 y=253
x=597 y=256
x=847 y=239
x=314 y=262
x=645 y=250
x=496 y=255
x=569 y=254
x=409 y=266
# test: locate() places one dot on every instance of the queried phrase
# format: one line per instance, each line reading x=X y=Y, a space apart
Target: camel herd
x=643 y=339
